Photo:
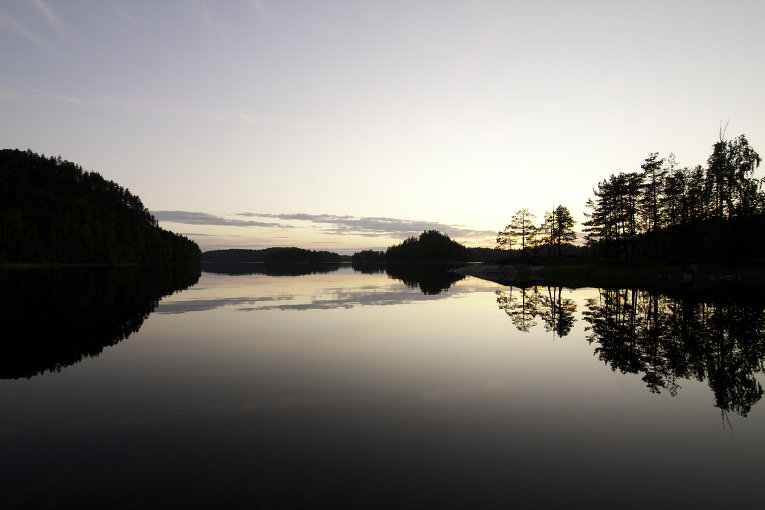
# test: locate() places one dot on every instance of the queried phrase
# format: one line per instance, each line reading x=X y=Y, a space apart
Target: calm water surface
x=345 y=389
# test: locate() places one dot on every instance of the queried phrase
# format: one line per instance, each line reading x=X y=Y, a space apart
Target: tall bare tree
x=521 y=228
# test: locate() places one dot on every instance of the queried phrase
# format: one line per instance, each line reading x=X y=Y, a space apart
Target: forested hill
x=52 y=211
x=279 y=255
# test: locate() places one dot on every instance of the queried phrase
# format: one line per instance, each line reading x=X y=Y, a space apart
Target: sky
x=348 y=125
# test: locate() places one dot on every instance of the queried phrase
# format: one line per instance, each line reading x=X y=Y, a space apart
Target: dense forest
x=273 y=255
x=666 y=212
x=430 y=246
x=52 y=211
x=662 y=212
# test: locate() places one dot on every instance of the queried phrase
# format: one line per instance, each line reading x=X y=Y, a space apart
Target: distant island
x=273 y=255
x=430 y=246
x=52 y=211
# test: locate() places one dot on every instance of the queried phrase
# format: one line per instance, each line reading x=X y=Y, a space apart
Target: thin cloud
x=141 y=107
x=325 y=223
x=112 y=103
x=120 y=10
x=62 y=97
x=49 y=14
x=373 y=226
x=200 y=218
x=11 y=24
x=10 y=94
x=260 y=10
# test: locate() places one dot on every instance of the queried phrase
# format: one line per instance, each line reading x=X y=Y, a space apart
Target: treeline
x=52 y=211
x=269 y=269
x=272 y=255
x=667 y=212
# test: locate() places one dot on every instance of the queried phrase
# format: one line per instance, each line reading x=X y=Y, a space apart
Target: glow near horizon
x=448 y=113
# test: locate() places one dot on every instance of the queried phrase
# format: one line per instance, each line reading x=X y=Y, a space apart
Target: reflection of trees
x=429 y=278
x=269 y=268
x=53 y=318
x=526 y=304
x=365 y=267
x=521 y=307
x=667 y=339
x=557 y=312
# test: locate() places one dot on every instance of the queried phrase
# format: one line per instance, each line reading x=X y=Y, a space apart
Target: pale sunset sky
x=346 y=125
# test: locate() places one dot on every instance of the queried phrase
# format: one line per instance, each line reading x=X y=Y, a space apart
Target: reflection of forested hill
x=53 y=211
x=269 y=268
x=671 y=338
x=429 y=278
x=54 y=318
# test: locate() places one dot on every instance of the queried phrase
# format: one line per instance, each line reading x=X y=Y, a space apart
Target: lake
x=312 y=387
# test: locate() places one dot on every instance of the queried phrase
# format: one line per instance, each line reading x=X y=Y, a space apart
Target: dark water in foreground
x=345 y=389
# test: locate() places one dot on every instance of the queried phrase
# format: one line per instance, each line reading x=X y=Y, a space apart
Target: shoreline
x=62 y=265
x=620 y=274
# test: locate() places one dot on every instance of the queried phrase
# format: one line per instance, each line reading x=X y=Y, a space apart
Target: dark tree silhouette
x=273 y=255
x=431 y=246
x=368 y=257
x=53 y=211
x=562 y=227
x=667 y=212
x=521 y=228
x=653 y=184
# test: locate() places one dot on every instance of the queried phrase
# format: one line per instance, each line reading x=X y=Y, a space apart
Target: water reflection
x=369 y=267
x=431 y=279
x=346 y=288
x=525 y=305
x=668 y=338
x=324 y=394
x=665 y=338
x=54 y=318
x=269 y=268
